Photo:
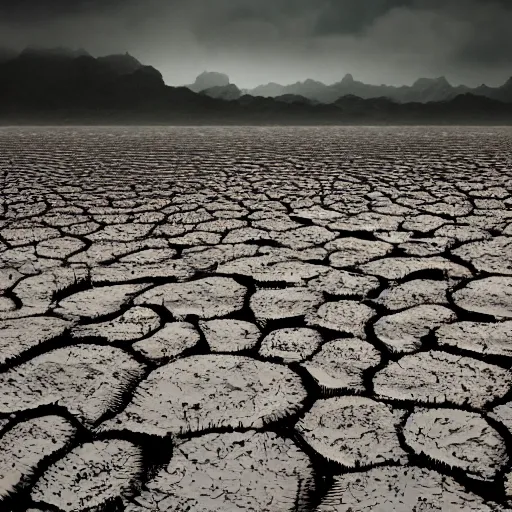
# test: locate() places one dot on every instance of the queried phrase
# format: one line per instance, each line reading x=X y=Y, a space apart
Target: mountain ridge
x=423 y=90
x=59 y=86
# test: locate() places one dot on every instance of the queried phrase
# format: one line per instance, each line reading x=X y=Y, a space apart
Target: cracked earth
x=264 y=320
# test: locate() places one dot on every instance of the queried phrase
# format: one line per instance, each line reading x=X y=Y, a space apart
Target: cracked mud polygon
x=255 y=319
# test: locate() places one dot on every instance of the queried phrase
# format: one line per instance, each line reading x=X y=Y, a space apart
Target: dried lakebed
x=264 y=320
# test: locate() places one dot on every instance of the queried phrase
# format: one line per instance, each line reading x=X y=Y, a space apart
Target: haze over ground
x=379 y=41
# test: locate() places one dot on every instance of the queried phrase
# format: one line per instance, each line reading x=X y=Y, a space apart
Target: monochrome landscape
x=262 y=319
x=255 y=256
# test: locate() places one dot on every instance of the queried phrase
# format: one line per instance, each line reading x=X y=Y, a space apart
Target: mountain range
x=422 y=91
x=60 y=85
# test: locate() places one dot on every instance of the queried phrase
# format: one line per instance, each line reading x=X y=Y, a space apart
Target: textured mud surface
x=262 y=320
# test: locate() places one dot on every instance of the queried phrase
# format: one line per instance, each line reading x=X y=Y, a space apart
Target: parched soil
x=255 y=319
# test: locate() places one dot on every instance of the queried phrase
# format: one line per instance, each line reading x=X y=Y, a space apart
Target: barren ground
x=255 y=319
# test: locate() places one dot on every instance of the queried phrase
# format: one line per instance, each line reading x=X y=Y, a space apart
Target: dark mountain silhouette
x=121 y=64
x=423 y=90
x=59 y=78
x=209 y=79
x=64 y=86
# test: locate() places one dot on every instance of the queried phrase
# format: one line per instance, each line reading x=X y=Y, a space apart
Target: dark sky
x=257 y=41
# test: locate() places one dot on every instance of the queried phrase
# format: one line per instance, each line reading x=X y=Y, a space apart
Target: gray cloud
x=352 y=16
x=255 y=41
x=16 y=10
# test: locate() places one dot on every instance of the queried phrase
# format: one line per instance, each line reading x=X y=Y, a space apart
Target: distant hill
x=423 y=90
x=64 y=86
x=295 y=98
x=503 y=93
x=223 y=92
x=208 y=80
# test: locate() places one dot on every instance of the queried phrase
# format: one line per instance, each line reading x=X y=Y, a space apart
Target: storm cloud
x=256 y=41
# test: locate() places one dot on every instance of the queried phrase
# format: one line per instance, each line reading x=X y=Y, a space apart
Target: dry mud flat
x=264 y=320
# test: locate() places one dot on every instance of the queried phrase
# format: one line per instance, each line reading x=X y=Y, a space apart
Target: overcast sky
x=257 y=41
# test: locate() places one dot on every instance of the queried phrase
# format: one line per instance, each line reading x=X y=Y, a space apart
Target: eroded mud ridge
x=263 y=320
